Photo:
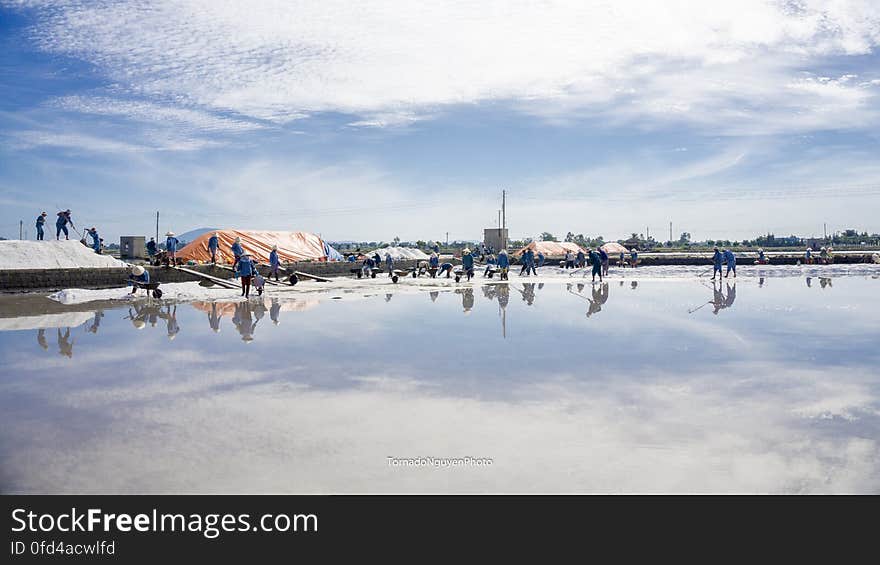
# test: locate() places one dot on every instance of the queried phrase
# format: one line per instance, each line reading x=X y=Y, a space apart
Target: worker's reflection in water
x=467 y=298
x=243 y=321
x=720 y=300
x=528 y=293
x=809 y=282
x=214 y=317
x=599 y=297
x=275 y=311
x=171 y=321
x=142 y=313
x=65 y=347
x=96 y=322
x=434 y=294
x=503 y=292
x=761 y=282
x=388 y=297
x=41 y=339
x=634 y=285
x=825 y=282
x=259 y=308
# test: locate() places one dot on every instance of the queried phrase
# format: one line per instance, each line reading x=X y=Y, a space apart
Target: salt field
x=658 y=380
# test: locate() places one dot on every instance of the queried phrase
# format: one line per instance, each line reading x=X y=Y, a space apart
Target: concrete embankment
x=45 y=280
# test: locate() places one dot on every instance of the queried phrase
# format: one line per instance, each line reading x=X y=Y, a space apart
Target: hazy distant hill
x=192 y=234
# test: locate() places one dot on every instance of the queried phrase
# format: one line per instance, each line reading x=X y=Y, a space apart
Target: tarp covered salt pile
x=401 y=253
x=17 y=255
x=550 y=248
x=612 y=248
x=292 y=246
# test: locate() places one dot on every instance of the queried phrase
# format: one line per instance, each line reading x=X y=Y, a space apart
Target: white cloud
x=183 y=120
x=736 y=64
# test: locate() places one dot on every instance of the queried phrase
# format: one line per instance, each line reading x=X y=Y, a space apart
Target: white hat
x=465 y=250
x=172 y=336
x=139 y=324
x=274 y=248
x=237 y=240
x=503 y=251
x=138 y=270
x=169 y=234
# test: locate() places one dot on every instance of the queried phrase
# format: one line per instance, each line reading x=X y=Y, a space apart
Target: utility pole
x=157 y=227
x=825 y=230
x=503 y=219
x=21 y=229
x=447 y=239
x=670 y=231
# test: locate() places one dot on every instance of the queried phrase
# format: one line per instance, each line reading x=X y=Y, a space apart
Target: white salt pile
x=400 y=253
x=185 y=291
x=17 y=254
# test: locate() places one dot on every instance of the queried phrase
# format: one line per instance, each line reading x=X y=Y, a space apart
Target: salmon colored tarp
x=551 y=248
x=613 y=248
x=292 y=246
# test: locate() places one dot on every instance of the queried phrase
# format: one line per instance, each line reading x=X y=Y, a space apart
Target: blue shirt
x=434 y=261
x=246 y=267
x=467 y=261
x=213 y=242
x=273 y=258
x=716 y=258
x=503 y=260
x=144 y=278
x=41 y=219
x=237 y=249
x=729 y=257
x=171 y=244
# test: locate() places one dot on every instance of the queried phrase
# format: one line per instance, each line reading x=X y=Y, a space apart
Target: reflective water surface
x=760 y=385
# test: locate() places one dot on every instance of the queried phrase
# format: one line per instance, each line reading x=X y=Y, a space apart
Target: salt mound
x=17 y=254
x=183 y=291
x=400 y=253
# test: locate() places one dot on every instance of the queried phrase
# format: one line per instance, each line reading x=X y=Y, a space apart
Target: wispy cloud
x=742 y=64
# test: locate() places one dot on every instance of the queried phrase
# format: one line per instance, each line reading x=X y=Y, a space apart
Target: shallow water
x=766 y=385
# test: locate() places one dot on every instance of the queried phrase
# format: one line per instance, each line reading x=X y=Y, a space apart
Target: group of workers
x=62 y=221
x=725 y=257
x=826 y=256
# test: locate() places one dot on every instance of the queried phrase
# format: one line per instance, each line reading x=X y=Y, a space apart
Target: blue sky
x=390 y=119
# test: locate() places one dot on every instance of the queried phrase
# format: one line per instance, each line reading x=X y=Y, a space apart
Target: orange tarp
x=551 y=248
x=292 y=246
